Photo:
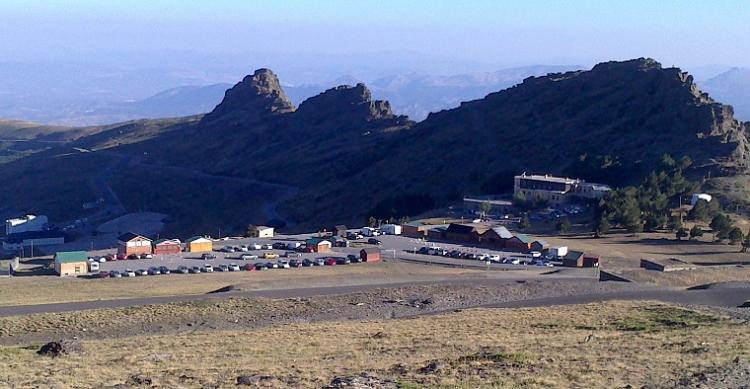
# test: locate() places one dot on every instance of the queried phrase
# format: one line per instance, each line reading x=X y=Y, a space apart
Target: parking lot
x=391 y=246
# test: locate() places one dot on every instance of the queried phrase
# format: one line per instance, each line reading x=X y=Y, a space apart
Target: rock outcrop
x=256 y=97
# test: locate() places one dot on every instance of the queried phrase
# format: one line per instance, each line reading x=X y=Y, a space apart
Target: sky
x=467 y=35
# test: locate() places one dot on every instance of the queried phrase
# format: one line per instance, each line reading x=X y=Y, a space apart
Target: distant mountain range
x=732 y=87
x=344 y=155
x=411 y=94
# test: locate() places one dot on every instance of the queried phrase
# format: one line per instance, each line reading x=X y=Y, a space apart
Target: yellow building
x=198 y=244
x=71 y=263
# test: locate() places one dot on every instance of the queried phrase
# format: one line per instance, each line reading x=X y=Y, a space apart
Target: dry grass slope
x=593 y=346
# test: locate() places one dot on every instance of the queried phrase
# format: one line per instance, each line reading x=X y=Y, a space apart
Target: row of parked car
x=533 y=258
x=119 y=257
x=208 y=268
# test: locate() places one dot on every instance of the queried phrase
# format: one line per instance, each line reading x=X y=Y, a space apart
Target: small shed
x=167 y=246
x=574 y=259
x=339 y=230
x=539 y=245
x=319 y=245
x=71 y=263
x=370 y=254
x=198 y=244
x=338 y=241
x=130 y=243
x=261 y=232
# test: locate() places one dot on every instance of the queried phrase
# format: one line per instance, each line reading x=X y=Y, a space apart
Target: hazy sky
x=494 y=33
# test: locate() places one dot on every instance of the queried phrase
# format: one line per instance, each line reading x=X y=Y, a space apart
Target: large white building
x=26 y=224
x=556 y=190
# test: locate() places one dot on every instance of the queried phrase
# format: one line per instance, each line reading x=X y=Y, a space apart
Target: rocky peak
x=348 y=100
x=257 y=95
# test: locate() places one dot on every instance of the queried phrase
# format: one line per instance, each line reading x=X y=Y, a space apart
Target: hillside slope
x=342 y=155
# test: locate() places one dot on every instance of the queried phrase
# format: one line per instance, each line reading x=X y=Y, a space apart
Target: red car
x=110 y=257
x=121 y=257
x=249 y=267
x=330 y=261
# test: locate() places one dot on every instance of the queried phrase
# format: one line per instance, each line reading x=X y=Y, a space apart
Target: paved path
x=718 y=297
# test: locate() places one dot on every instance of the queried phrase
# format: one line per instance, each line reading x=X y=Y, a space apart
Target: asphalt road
x=718 y=296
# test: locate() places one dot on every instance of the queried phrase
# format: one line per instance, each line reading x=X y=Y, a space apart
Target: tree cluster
x=648 y=206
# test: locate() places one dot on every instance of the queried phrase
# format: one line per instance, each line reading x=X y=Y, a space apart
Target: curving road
x=725 y=297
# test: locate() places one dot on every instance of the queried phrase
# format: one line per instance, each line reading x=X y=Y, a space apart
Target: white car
x=208 y=268
x=283 y=265
x=234 y=267
x=494 y=258
x=244 y=248
x=267 y=247
x=515 y=261
x=141 y=272
x=535 y=254
x=129 y=273
x=256 y=247
x=102 y=260
x=149 y=256
x=248 y=257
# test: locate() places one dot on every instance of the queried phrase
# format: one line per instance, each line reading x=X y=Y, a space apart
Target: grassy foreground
x=602 y=345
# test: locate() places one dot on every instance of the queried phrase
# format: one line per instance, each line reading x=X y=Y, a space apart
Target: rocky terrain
x=342 y=146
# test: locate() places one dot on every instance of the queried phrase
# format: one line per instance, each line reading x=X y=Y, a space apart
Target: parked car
x=272 y=265
x=249 y=267
x=115 y=274
x=195 y=269
x=228 y=249
x=104 y=274
x=373 y=241
x=270 y=255
x=183 y=270
x=307 y=263
x=146 y=256
x=295 y=263
x=470 y=256
x=292 y=254
x=306 y=249
x=319 y=262
x=141 y=272
x=330 y=261
x=153 y=271
x=283 y=264
x=208 y=256
x=279 y=246
x=355 y=258
x=423 y=250
x=129 y=273
x=260 y=266
x=121 y=257
x=255 y=246
x=132 y=256
x=244 y=248
x=101 y=259
x=293 y=245
x=267 y=246
x=110 y=257
x=93 y=266
x=248 y=257
x=535 y=254
x=164 y=270
x=343 y=261
x=234 y=267
x=208 y=268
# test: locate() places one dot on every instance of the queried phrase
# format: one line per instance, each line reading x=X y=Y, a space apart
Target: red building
x=370 y=254
x=131 y=243
x=167 y=246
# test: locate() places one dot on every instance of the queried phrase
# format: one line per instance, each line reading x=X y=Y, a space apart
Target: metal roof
x=71 y=256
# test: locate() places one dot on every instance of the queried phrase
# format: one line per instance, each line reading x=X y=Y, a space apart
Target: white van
x=93 y=266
